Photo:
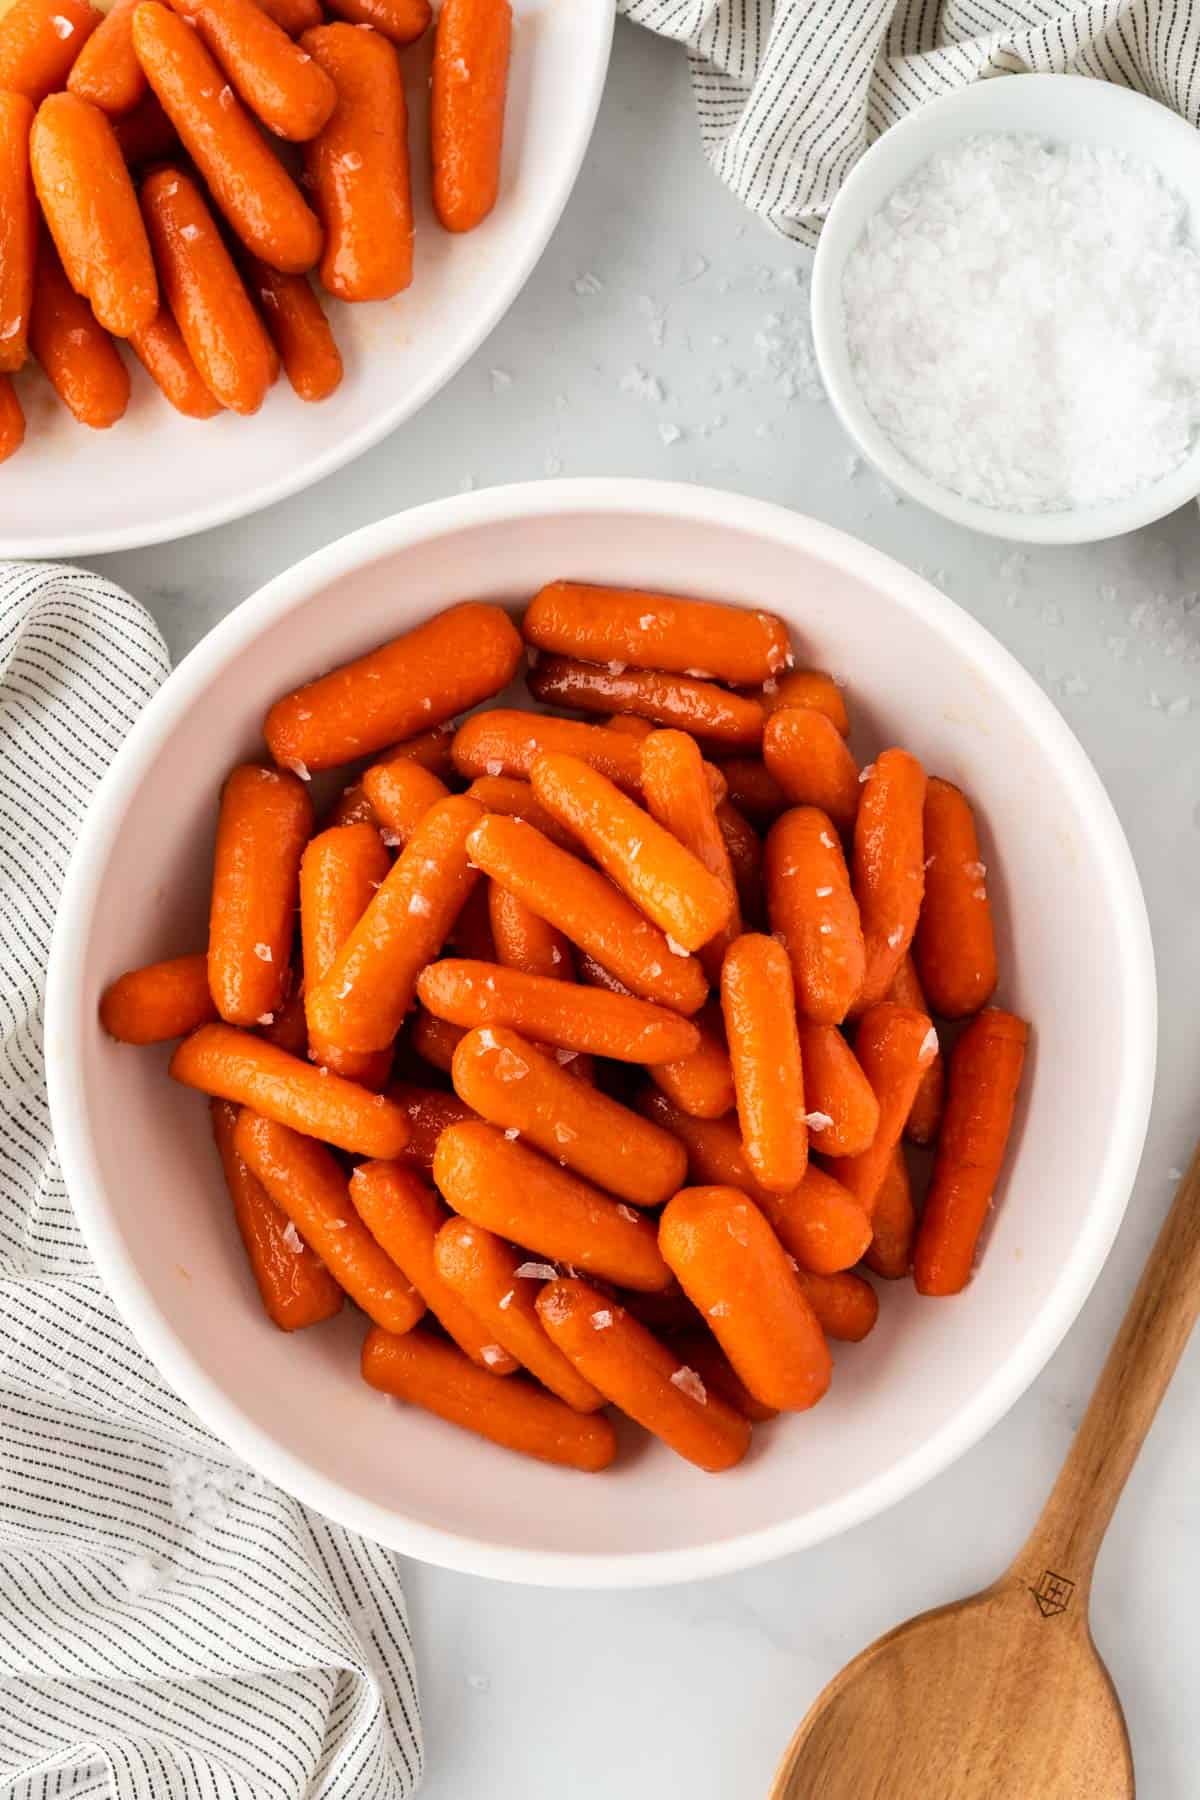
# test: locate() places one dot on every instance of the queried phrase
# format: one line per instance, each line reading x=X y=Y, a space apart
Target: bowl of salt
x=1006 y=308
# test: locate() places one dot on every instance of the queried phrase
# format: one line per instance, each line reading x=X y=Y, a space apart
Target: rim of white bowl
x=65 y=1025
x=553 y=199
x=844 y=226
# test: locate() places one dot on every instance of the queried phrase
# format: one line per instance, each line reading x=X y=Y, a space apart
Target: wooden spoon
x=1003 y=1696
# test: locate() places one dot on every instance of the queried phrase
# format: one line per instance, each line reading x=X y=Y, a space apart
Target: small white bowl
x=1062 y=109
x=1075 y=948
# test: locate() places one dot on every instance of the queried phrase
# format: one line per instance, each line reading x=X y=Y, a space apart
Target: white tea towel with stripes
x=171 y=1626
x=791 y=92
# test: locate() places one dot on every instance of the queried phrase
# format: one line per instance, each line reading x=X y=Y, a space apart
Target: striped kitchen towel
x=791 y=92
x=171 y=1626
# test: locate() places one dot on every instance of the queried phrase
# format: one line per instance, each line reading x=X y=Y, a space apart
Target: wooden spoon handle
x=1140 y=1365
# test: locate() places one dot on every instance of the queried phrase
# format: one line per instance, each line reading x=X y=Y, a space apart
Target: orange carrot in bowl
x=160 y=349
x=39 y=41
x=702 y=1082
x=264 y=823
x=764 y=1051
x=985 y=1073
x=340 y=873
x=845 y=1305
x=505 y=742
x=160 y=1001
x=700 y=707
x=277 y=80
x=811 y=907
x=297 y=326
x=18 y=230
x=12 y=420
x=702 y=638
x=78 y=357
x=924 y=1121
x=107 y=71
x=523 y=941
x=894 y=1223
x=807 y=757
x=469 y=83
x=678 y=795
x=515 y=798
x=401 y=21
x=954 y=946
x=889 y=866
x=843 y=1113
x=700 y=1351
x=400 y=792
x=552 y=1012
x=428 y=1111
x=807 y=687
x=435 y=1040
x=894 y=1047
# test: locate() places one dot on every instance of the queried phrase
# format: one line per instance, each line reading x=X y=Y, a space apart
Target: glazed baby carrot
x=843 y=1113
x=515 y=798
x=106 y=71
x=357 y=167
x=294 y=1285
x=708 y=711
x=400 y=793
x=264 y=823
x=79 y=358
x=745 y=859
x=295 y=16
x=39 y=40
x=985 y=1072
x=429 y=1373
x=642 y=1376
x=304 y=1179
x=435 y=1040
x=889 y=866
x=894 y=1222
x=759 y=1009
x=453 y=661
x=229 y=1064
x=701 y=1352
x=401 y=21
x=146 y=133
x=360 y=1002
x=351 y=808
x=807 y=687
x=223 y=333
x=926 y=1116
x=507 y=742
x=846 y=1306
x=523 y=941
x=657 y=631
x=733 y=1268
x=806 y=755
x=810 y=906
x=513 y=1084
x=89 y=204
x=18 y=230
x=340 y=872
x=555 y=1013
x=298 y=327
x=588 y=910
x=894 y=1047
x=404 y=1216
x=248 y=183
x=663 y=879
x=481 y=1269
x=163 y=1000
x=753 y=789
x=160 y=349
x=466 y=122
x=12 y=420
x=702 y=1083
x=278 y=81
x=954 y=946
x=677 y=794
x=500 y=1183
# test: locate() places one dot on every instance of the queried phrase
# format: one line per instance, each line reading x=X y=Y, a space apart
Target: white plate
x=156 y=475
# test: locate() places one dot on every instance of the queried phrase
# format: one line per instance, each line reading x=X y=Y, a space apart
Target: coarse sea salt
x=1023 y=321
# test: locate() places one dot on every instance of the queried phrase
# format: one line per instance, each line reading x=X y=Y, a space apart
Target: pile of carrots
x=140 y=198
x=681 y=1061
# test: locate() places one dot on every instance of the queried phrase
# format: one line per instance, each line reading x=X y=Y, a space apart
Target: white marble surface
x=695 y=1690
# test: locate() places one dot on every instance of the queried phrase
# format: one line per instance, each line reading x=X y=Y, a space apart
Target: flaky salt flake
x=536 y=1271
x=512 y=1133
x=63 y=28
x=895 y=937
x=929 y=1046
x=419 y=906
x=689 y=1383
x=189 y=233
x=299 y=768
x=827 y=840
x=351 y=160
x=865 y=773
x=334 y=1224
x=818 y=1121
x=976 y=870
x=265 y=1019
x=646 y=621
x=602 y=1319
x=493 y=1354
x=506 y=1300
x=494 y=767
x=654 y=970
x=629 y=1213
x=510 y=1066
x=263 y=952
x=675 y=947
x=291 y=1237
x=565 y=1056
x=823 y=893
x=720 y=1310
x=563 y=1134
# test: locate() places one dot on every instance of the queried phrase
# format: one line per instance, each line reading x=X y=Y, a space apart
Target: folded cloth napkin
x=171 y=1626
x=791 y=92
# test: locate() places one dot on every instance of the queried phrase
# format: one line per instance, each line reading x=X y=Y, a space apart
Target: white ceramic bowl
x=157 y=475
x=1060 y=108
x=935 y=1375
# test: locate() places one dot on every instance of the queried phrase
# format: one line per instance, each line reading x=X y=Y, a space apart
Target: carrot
x=702 y=1082
x=924 y=1121
x=846 y=1306
x=294 y=1285
x=512 y=1084
x=764 y=1051
x=435 y=1040
x=805 y=754
x=894 y=1047
x=229 y=1064
x=470 y=79
x=700 y=707
x=248 y=183
x=677 y=794
x=298 y=328
x=507 y=742
x=340 y=872
x=753 y=789
x=642 y=1376
x=163 y=1000
x=216 y=320
x=279 y=82
x=145 y=134
x=12 y=420
x=89 y=204
x=357 y=166
x=889 y=866
x=481 y=1270
x=304 y=1179
x=701 y=638
x=295 y=16
x=428 y=1112
x=843 y=1113
x=351 y=808
x=402 y=21
x=471 y=933
x=811 y=907
x=432 y=748
x=400 y=793
x=501 y=1184
x=39 y=41
x=985 y=1073
x=360 y=1002
x=453 y=661
x=516 y=799
x=522 y=940
x=588 y=910
x=287 y=1028
x=954 y=945
x=106 y=71
x=18 y=230
x=745 y=858
x=807 y=687
x=264 y=823
x=404 y=1216
x=422 y=1370
x=160 y=349
x=733 y=1268
x=79 y=358
x=701 y=1352
x=554 y=1013
x=895 y=1222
